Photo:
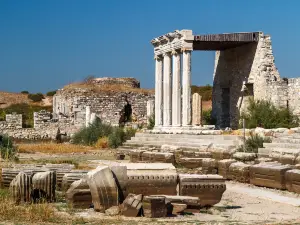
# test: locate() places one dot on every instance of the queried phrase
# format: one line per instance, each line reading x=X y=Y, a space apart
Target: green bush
x=116 y=138
x=253 y=142
x=204 y=91
x=7 y=148
x=207 y=118
x=129 y=133
x=51 y=93
x=25 y=92
x=36 y=97
x=26 y=110
x=261 y=113
x=151 y=122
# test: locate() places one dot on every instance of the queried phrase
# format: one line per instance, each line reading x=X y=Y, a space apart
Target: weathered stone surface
x=178 y=208
x=269 y=175
x=196 y=109
x=112 y=211
x=20 y=188
x=190 y=162
x=164 y=157
x=169 y=148
x=44 y=185
x=185 y=200
x=203 y=155
x=154 y=207
x=220 y=154
x=132 y=205
x=79 y=194
x=136 y=155
x=239 y=171
x=121 y=179
x=292 y=180
x=244 y=156
x=69 y=178
x=209 y=166
x=285 y=155
x=223 y=167
x=152 y=182
x=103 y=188
x=209 y=188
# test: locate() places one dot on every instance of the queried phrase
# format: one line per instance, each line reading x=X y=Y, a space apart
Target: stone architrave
x=150 y=108
x=103 y=188
x=87 y=115
x=197 y=109
x=167 y=90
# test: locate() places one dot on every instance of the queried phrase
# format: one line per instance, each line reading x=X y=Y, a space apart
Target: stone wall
x=250 y=65
x=12 y=121
x=125 y=81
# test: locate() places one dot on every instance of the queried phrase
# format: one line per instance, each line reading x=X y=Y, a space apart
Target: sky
x=46 y=44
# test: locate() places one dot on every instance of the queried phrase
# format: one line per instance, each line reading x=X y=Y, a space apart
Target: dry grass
x=102 y=143
x=53 y=148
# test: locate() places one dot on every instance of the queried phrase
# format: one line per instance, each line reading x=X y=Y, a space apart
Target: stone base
x=190 y=129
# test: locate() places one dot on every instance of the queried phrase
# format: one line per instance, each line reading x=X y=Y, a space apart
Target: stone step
x=282 y=145
x=190 y=136
x=173 y=140
x=264 y=152
x=286 y=140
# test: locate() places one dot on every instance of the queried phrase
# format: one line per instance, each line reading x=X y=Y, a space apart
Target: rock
x=244 y=156
x=79 y=194
x=20 y=188
x=44 y=185
x=154 y=207
x=132 y=205
x=103 y=188
x=112 y=211
x=208 y=188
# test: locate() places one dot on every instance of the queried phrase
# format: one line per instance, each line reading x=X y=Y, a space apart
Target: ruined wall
x=125 y=81
x=251 y=64
x=12 y=121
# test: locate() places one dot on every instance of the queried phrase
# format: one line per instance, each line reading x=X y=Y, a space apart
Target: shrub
x=102 y=142
x=36 y=97
x=253 y=142
x=261 y=113
x=207 y=118
x=116 y=138
x=7 y=148
x=51 y=93
x=129 y=132
x=151 y=122
x=25 y=92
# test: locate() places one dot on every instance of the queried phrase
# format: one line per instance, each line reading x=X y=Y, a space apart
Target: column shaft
x=176 y=91
x=167 y=90
x=158 y=91
x=186 y=89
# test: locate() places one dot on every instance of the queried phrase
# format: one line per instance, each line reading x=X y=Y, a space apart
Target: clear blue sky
x=45 y=44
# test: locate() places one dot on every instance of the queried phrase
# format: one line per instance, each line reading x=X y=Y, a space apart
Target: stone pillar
x=197 y=109
x=176 y=90
x=186 y=88
x=167 y=90
x=158 y=91
x=93 y=118
x=150 y=108
x=87 y=115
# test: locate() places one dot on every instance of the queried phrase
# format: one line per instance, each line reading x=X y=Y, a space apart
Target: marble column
x=176 y=90
x=196 y=109
x=158 y=91
x=150 y=108
x=167 y=90
x=186 y=88
x=87 y=115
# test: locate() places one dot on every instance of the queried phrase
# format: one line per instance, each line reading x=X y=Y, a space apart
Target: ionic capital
x=167 y=54
x=186 y=49
x=158 y=57
x=175 y=52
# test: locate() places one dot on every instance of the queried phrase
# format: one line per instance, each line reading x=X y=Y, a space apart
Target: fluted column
x=186 y=88
x=158 y=91
x=176 y=90
x=167 y=90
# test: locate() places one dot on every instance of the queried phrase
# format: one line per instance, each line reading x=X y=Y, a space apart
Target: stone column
x=176 y=90
x=158 y=91
x=167 y=90
x=196 y=109
x=150 y=108
x=186 y=88
x=87 y=115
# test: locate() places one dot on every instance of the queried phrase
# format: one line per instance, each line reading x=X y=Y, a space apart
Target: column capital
x=175 y=52
x=186 y=49
x=167 y=54
x=157 y=57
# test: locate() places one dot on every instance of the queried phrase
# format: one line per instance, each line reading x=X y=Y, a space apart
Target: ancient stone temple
x=244 y=68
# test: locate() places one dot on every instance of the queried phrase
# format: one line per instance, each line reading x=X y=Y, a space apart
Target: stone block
x=20 y=188
x=209 y=166
x=132 y=205
x=178 y=208
x=220 y=154
x=44 y=186
x=103 y=188
x=79 y=194
x=112 y=211
x=69 y=178
x=136 y=155
x=223 y=167
x=148 y=157
x=121 y=179
x=239 y=171
x=269 y=175
x=190 y=162
x=244 y=156
x=184 y=200
x=164 y=157
x=208 y=188
x=154 y=207
x=169 y=148
x=203 y=155
x=292 y=180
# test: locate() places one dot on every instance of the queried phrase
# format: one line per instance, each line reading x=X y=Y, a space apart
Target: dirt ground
x=240 y=204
